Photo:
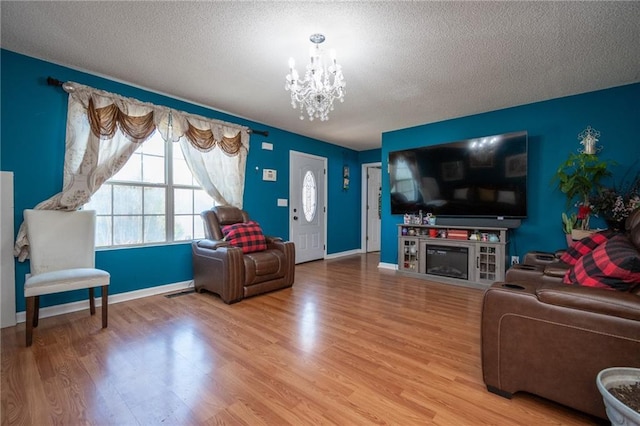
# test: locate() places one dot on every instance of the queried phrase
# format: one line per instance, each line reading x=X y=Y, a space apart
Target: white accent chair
x=62 y=252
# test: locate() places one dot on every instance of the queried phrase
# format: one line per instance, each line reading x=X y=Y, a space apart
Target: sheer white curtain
x=104 y=129
x=215 y=153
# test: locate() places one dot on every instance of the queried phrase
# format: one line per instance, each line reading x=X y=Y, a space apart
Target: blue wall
x=33 y=136
x=33 y=133
x=553 y=127
x=370 y=156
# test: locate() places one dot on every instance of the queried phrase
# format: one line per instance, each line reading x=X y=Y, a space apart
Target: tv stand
x=466 y=255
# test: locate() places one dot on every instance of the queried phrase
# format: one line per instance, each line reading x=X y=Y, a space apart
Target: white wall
x=7 y=265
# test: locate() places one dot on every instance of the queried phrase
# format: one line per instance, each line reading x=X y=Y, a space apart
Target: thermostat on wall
x=269 y=174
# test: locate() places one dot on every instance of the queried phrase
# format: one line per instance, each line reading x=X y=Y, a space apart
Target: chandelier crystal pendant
x=322 y=84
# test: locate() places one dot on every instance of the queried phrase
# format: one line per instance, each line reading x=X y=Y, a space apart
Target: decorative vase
x=578 y=234
x=619 y=413
x=569 y=240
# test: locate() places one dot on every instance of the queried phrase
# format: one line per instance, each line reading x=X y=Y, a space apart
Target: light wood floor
x=347 y=345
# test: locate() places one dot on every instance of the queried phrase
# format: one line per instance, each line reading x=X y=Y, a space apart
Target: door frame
x=363 y=204
x=324 y=202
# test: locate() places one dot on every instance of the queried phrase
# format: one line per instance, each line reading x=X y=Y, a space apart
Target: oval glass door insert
x=309 y=196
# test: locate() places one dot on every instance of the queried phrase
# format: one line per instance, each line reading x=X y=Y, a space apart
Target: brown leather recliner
x=225 y=270
x=552 y=339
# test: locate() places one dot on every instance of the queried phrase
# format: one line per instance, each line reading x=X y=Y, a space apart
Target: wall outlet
x=515 y=260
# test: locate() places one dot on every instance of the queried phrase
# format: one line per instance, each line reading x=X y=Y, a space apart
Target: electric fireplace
x=447 y=261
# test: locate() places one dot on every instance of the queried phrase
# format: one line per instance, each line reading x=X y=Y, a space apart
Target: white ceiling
x=405 y=63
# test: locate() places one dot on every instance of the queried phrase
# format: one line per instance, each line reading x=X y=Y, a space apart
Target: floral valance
x=138 y=120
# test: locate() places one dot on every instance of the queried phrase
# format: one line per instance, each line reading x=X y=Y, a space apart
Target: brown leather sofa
x=225 y=270
x=551 y=339
x=552 y=268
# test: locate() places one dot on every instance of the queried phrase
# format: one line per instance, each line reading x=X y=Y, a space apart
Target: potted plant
x=568 y=223
x=579 y=178
x=620 y=388
x=616 y=202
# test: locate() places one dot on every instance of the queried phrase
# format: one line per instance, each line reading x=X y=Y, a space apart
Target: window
x=143 y=203
x=153 y=199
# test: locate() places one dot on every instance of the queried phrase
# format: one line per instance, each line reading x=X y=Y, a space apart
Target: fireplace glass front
x=447 y=261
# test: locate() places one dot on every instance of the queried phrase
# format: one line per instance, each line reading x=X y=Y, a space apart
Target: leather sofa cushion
x=614 y=264
x=585 y=246
x=248 y=236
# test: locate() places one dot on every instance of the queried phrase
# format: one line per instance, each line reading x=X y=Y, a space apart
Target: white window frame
x=169 y=208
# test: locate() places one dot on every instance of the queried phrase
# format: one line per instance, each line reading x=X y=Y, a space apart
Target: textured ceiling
x=405 y=63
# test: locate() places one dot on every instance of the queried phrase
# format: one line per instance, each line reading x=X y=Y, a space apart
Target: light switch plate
x=282 y=202
x=268 y=146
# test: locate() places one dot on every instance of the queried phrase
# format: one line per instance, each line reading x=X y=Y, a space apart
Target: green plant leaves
x=580 y=176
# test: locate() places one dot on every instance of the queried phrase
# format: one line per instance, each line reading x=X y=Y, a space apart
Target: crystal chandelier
x=322 y=83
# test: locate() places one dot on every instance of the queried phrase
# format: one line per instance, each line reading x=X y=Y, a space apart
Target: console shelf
x=465 y=255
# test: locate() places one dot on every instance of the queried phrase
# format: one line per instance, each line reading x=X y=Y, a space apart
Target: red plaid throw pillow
x=585 y=246
x=613 y=265
x=246 y=235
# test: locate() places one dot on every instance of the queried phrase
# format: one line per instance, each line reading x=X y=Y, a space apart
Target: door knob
x=295 y=218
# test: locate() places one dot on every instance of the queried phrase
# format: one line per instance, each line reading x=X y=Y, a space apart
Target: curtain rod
x=55 y=82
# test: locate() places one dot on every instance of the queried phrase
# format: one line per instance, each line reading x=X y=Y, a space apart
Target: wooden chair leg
x=31 y=301
x=92 y=301
x=36 y=311
x=105 y=305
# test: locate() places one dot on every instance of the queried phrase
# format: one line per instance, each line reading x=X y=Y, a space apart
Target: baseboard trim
x=342 y=254
x=391 y=266
x=51 y=311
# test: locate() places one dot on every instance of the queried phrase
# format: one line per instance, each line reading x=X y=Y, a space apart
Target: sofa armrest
x=212 y=244
x=596 y=300
x=559 y=253
x=289 y=250
x=277 y=243
x=556 y=270
x=539 y=258
x=218 y=267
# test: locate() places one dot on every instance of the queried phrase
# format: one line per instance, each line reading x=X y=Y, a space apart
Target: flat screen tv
x=481 y=177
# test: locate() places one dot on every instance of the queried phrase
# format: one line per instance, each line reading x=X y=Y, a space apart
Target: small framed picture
x=345 y=177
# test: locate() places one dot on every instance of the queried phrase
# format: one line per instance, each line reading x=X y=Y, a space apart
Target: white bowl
x=619 y=414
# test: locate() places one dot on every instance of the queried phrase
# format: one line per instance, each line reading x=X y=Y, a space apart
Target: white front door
x=374 y=192
x=307 y=208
